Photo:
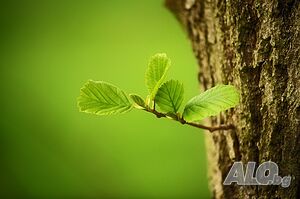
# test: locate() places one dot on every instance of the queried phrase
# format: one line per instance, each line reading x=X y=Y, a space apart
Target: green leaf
x=211 y=102
x=172 y=116
x=101 y=98
x=156 y=72
x=138 y=101
x=170 y=96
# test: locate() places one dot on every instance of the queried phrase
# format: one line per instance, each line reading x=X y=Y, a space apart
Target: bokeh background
x=48 y=50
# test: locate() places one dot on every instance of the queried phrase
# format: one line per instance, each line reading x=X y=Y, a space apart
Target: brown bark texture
x=254 y=45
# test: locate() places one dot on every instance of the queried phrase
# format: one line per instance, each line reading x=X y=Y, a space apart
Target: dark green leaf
x=138 y=100
x=170 y=96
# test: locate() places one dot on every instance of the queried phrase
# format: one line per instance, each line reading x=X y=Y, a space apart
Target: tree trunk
x=254 y=45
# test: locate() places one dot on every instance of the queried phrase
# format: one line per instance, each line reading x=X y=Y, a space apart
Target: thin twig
x=197 y=125
x=212 y=128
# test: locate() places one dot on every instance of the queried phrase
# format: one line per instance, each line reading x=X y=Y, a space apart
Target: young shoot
x=101 y=98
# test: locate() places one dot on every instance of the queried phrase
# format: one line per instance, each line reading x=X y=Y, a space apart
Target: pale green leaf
x=101 y=98
x=139 y=102
x=211 y=102
x=170 y=96
x=156 y=72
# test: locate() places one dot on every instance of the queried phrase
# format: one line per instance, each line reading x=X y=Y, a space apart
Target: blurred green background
x=48 y=149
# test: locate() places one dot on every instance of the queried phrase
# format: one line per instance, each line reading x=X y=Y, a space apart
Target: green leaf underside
x=138 y=100
x=170 y=96
x=171 y=115
x=101 y=98
x=156 y=72
x=211 y=102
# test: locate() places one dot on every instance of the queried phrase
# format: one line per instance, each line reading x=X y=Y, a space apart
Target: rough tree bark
x=254 y=45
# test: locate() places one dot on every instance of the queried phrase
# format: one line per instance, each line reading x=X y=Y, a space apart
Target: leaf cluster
x=101 y=98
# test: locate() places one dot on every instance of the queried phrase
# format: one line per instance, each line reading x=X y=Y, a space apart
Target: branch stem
x=197 y=125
